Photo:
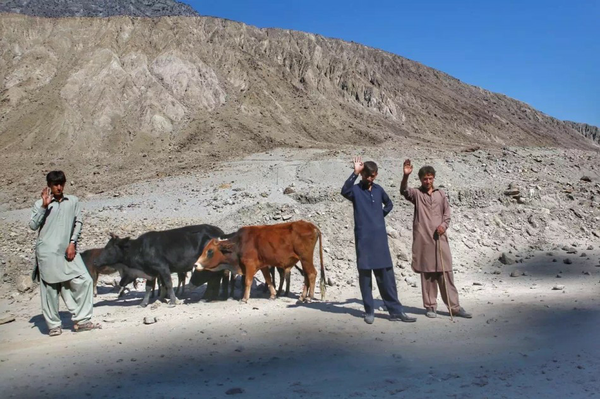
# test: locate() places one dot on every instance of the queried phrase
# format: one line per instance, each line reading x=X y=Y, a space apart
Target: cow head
x=113 y=252
x=217 y=255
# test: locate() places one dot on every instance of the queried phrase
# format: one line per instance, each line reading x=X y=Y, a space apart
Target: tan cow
x=254 y=248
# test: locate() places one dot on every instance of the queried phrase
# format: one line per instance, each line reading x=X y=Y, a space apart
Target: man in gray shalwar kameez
x=59 y=267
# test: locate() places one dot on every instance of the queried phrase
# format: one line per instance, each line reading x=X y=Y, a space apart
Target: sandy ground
x=526 y=339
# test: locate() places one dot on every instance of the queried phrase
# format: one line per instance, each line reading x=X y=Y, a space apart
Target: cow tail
x=323 y=285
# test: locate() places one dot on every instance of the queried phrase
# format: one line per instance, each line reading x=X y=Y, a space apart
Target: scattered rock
x=286 y=217
x=393 y=233
x=411 y=281
x=7 y=319
x=289 y=190
x=586 y=179
x=558 y=287
x=567 y=261
x=234 y=391
x=150 y=320
x=516 y=273
x=507 y=259
x=24 y=283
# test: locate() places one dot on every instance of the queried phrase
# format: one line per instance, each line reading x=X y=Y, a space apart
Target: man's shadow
x=39 y=322
x=340 y=308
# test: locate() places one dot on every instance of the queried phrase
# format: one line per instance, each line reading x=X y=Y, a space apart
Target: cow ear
x=225 y=246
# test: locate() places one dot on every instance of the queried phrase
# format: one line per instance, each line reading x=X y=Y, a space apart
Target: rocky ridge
x=94 y=8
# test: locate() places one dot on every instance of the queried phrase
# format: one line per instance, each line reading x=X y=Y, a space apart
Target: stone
x=558 y=287
x=7 y=319
x=590 y=248
x=586 y=179
x=507 y=259
x=24 y=283
x=289 y=190
x=286 y=217
x=234 y=391
x=516 y=273
x=330 y=282
x=393 y=233
x=411 y=281
x=567 y=261
x=150 y=320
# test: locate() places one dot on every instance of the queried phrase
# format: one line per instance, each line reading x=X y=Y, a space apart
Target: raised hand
x=46 y=197
x=407 y=167
x=358 y=165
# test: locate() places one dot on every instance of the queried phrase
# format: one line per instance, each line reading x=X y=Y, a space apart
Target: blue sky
x=545 y=53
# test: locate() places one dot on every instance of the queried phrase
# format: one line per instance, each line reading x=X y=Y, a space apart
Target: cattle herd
x=214 y=257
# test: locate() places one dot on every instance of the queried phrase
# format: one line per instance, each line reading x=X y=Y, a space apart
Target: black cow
x=157 y=254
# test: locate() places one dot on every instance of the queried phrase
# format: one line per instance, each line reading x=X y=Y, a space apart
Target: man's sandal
x=55 y=332
x=89 y=326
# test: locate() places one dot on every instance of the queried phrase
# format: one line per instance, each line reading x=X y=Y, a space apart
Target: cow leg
x=165 y=277
x=281 y=278
x=149 y=288
x=248 y=277
x=95 y=280
x=310 y=279
x=180 y=283
x=125 y=280
x=288 y=274
x=266 y=273
x=213 y=285
x=232 y=283
x=224 y=294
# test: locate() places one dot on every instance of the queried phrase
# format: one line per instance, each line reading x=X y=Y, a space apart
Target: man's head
x=369 y=172
x=427 y=176
x=56 y=181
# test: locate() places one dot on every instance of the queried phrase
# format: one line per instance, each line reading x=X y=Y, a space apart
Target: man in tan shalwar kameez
x=431 y=220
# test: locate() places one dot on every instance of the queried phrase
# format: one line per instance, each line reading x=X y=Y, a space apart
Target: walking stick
x=444 y=277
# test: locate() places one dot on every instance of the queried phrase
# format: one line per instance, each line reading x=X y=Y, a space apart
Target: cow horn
x=221 y=239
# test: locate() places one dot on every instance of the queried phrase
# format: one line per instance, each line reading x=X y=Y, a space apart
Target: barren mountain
x=95 y=8
x=119 y=99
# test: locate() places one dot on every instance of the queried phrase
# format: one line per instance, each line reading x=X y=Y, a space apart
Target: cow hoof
x=143 y=305
x=172 y=305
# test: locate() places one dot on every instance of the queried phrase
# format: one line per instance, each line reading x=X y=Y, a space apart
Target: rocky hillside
x=120 y=99
x=588 y=131
x=95 y=8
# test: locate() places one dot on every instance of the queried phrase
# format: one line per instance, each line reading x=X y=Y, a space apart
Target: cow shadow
x=39 y=322
x=343 y=308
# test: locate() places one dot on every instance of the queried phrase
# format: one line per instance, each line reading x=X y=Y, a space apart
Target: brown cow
x=254 y=248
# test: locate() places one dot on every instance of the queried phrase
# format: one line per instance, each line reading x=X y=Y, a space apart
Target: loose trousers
x=78 y=295
x=386 y=283
x=429 y=289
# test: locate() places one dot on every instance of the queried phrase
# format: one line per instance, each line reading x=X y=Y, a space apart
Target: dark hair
x=56 y=177
x=370 y=168
x=426 y=170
